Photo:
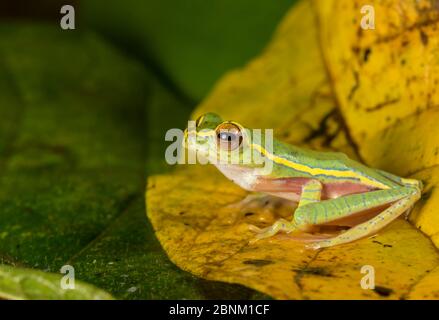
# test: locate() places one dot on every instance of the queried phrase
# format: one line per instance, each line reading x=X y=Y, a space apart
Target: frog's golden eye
x=229 y=136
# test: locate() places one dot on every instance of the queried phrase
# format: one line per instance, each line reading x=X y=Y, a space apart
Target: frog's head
x=221 y=142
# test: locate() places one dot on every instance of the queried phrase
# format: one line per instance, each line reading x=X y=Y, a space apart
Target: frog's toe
x=319 y=244
x=256 y=229
x=279 y=225
x=313 y=246
x=262 y=234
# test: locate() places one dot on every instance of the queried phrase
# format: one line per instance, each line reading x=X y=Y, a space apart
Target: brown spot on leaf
x=426 y=195
x=383 y=291
x=382 y=105
x=424 y=37
x=367 y=53
x=258 y=262
x=355 y=86
x=316 y=271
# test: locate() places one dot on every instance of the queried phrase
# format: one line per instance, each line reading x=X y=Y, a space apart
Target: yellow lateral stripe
x=317 y=171
x=312 y=171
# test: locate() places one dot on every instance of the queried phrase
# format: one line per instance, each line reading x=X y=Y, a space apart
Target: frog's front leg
x=311 y=193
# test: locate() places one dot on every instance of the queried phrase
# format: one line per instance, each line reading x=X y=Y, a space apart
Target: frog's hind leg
x=311 y=193
x=373 y=225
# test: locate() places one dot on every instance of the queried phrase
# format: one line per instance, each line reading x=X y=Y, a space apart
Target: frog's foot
x=319 y=244
x=280 y=225
x=406 y=214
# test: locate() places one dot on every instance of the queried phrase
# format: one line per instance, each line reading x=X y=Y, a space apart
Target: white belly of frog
x=245 y=178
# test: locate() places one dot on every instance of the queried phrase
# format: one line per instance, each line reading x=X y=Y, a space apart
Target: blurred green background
x=190 y=43
x=83 y=116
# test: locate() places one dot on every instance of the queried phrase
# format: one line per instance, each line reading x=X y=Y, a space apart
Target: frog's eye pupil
x=226 y=136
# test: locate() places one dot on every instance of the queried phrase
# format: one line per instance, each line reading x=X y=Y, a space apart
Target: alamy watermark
x=368 y=280
x=68 y=19
x=368 y=19
x=67 y=282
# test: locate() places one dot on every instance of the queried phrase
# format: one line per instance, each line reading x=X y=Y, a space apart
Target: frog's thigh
x=311 y=193
x=373 y=225
x=333 y=209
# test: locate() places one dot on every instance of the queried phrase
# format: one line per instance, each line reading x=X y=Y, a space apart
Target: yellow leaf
x=285 y=88
x=427 y=287
x=324 y=84
x=385 y=81
x=382 y=75
x=203 y=236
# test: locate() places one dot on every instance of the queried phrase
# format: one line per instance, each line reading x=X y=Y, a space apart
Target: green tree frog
x=329 y=187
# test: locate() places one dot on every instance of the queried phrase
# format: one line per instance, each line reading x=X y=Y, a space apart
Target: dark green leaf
x=19 y=283
x=74 y=146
